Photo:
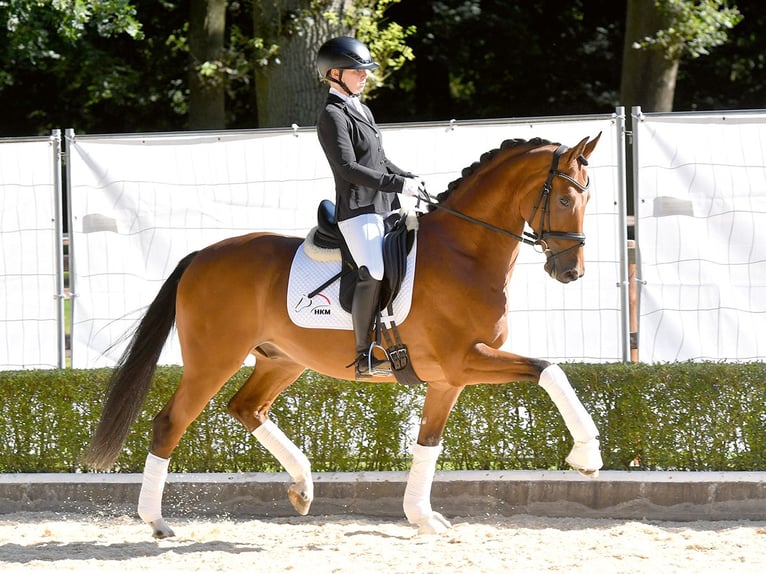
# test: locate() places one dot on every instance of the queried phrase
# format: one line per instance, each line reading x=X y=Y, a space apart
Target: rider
x=366 y=182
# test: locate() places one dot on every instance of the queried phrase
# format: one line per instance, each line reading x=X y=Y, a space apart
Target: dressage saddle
x=397 y=243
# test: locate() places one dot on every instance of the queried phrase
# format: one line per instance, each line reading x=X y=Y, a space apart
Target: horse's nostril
x=568 y=276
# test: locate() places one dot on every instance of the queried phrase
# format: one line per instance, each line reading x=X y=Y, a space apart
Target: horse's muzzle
x=562 y=273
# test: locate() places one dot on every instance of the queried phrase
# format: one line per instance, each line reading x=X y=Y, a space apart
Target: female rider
x=366 y=181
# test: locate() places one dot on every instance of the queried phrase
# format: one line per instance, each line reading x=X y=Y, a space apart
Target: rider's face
x=354 y=79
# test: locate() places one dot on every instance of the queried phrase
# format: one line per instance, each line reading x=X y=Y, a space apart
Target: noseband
x=542 y=205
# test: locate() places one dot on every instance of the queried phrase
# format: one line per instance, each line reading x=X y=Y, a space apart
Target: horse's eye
x=564 y=201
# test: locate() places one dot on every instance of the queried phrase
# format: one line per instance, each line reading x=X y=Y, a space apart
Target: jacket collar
x=345 y=104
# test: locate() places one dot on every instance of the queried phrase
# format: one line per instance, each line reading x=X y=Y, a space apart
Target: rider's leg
x=363 y=310
x=364 y=237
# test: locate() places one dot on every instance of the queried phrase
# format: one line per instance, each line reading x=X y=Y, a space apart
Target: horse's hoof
x=588 y=473
x=433 y=524
x=585 y=458
x=161 y=529
x=300 y=497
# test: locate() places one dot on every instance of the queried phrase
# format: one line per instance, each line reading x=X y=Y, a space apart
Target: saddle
x=397 y=243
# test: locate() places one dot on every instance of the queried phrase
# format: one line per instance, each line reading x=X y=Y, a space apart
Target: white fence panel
x=140 y=203
x=701 y=218
x=28 y=284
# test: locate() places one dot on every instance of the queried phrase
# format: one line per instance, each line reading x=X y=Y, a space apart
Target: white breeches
x=364 y=237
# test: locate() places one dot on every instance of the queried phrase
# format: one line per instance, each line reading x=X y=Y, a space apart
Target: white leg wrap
x=417 y=496
x=150 y=499
x=586 y=454
x=577 y=419
x=289 y=456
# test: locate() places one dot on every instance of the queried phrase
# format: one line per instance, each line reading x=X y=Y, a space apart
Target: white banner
x=28 y=303
x=141 y=203
x=701 y=215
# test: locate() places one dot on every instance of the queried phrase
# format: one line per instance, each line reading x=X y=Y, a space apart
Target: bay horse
x=228 y=301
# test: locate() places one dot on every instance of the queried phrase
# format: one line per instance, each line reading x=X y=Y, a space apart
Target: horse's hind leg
x=194 y=391
x=251 y=404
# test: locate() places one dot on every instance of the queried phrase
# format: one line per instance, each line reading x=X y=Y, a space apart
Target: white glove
x=412 y=187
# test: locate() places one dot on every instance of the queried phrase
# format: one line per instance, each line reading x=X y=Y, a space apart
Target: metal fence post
x=623 y=235
x=58 y=232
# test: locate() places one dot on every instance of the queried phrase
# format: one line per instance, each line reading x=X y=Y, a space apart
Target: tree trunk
x=289 y=90
x=648 y=75
x=207 y=93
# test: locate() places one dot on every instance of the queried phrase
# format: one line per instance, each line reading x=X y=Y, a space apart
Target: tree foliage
x=109 y=68
x=386 y=39
x=692 y=27
x=500 y=58
x=40 y=33
x=659 y=34
x=288 y=34
x=123 y=65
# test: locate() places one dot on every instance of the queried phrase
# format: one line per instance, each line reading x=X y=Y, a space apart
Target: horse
x=227 y=301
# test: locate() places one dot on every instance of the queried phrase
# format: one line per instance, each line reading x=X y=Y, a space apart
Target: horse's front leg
x=585 y=456
x=489 y=365
x=440 y=398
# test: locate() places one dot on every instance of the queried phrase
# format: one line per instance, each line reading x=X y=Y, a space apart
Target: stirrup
x=366 y=365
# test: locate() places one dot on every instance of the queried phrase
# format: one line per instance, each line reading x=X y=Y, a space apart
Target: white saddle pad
x=323 y=310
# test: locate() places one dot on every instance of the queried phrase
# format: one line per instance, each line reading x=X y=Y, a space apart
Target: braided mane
x=486 y=158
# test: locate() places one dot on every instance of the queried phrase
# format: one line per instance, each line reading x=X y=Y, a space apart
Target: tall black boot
x=363 y=310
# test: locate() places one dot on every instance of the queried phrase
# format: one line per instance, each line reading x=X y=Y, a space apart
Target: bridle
x=542 y=205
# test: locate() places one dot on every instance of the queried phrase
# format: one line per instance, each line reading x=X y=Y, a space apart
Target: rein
x=541 y=205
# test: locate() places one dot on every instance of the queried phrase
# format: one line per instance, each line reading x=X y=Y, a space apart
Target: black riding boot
x=363 y=310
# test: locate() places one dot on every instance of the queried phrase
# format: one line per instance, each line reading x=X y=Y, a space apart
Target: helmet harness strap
x=341 y=83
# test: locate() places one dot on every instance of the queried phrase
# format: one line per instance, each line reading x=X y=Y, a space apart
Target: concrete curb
x=675 y=496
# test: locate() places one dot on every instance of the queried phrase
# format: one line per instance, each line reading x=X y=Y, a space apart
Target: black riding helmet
x=343 y=53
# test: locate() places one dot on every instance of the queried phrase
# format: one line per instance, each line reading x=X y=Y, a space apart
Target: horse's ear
x=589 y=146
x=582 y=150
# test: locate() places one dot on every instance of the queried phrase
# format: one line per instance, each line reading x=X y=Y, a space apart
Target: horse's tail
x=132 y=377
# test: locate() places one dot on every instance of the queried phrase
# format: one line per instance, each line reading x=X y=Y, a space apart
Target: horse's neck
x=494 y=202
x=495 y=197
x=482 y=242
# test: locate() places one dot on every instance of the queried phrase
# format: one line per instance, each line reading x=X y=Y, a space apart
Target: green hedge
x=684 y=416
